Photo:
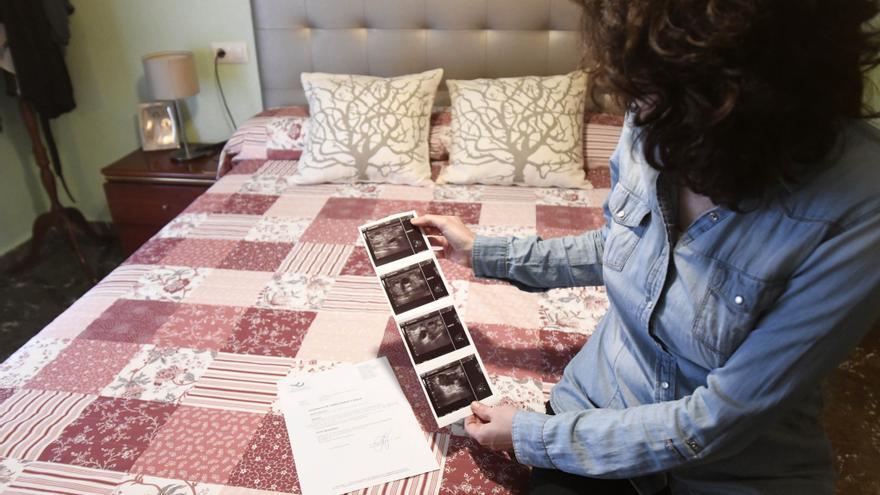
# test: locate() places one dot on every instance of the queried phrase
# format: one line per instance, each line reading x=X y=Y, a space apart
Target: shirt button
x=713 y=216
x=664 y=385
x=738 y=300
x=620 y=213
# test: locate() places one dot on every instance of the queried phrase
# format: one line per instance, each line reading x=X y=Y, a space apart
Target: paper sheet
x=437 y=340
x=351 y=427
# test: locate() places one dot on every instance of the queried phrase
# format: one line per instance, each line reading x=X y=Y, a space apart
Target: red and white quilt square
x=348 y=208
x=230 y=288
x=239 y=382
x=469 y=213
x=503 y=305
x=278 y=229
x=248 y=204
x=153 y=251
x=513 y=214
x=35 y=418
x=231 y=183
x=295 y=291
x=269 y=332
x=332 y=231
x=139 y=484
x=256 y=256
x=599 y=177
x=84 y=366
x=558 y=349
x=231 y=227
x=508 y=350
x=167 y=283
x=361 y=334
x=182 y=225
x=209 y=202
x=316 y=259
x=130 y=321
x=575 y=309
x=77 y=317
x=385 y=208
x=524 y=393
x=267 y=462
x=120 y=281
x=29 y=360
x=574 y=219
x=161 y=374
x=351 y=293
x=199 y=444
x=358 y=263
x=410 y=193
x=481 y=470
x=51 y=478
x=110 y=434
x=296 y=206
x=198 y=326
x=207 y=253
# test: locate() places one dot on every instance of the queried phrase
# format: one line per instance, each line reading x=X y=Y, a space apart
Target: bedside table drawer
x=148 y=204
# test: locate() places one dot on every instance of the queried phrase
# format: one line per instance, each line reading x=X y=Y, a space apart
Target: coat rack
x=60 y=216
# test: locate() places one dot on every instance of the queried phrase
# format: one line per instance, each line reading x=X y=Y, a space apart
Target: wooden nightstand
x=145 y=190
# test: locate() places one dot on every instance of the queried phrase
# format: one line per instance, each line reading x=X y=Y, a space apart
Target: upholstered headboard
x=467 y=38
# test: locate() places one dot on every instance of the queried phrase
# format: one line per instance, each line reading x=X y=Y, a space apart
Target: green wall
x=104 y=58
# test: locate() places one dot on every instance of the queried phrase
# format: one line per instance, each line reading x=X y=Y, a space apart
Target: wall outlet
x=236 y=51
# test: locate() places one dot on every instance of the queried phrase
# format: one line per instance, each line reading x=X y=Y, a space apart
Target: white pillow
x=367 y=129
x=518 y=130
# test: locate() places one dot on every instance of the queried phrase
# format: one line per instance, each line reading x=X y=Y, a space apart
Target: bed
x=161 y=379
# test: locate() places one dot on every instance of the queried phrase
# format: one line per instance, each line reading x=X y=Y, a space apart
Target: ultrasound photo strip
x=393 y=239
x=454 y=386
x=414 y=286
x=434 y=334
x=439 y=345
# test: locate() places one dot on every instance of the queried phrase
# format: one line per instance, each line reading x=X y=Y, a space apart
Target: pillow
x=367 y=129
x=518 y=130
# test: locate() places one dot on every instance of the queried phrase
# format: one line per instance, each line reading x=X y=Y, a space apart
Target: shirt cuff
x=528 y=439
x=489 y=256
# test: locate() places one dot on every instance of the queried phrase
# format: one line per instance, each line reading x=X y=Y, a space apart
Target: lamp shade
x=171 y=75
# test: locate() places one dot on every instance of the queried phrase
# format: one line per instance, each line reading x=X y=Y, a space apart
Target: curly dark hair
x=734 y=96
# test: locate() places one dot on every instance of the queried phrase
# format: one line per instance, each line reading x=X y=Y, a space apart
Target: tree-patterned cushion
x=518 y=130
x=367 y=129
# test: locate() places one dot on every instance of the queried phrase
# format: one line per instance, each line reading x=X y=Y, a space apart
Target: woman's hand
x=456 y=240
x=491 y=427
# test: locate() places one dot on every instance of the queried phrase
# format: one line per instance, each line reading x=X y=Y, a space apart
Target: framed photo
x=157 y=126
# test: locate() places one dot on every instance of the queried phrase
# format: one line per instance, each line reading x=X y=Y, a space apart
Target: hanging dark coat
x=37 y=33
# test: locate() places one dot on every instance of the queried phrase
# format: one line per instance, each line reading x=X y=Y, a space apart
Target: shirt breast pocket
x=629 y=219
x=730 y=309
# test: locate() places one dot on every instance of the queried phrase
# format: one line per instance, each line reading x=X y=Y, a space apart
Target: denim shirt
x=704 y=374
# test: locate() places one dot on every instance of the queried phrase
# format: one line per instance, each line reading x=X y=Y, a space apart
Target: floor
x=30 y=301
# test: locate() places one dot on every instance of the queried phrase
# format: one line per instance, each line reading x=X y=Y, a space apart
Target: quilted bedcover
x=161 y=379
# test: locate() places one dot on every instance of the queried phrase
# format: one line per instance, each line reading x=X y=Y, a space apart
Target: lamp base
x=186 y=155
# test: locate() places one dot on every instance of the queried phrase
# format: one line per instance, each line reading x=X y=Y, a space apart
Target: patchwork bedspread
x=163 y=376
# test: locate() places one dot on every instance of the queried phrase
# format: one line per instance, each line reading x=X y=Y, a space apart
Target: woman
x=740 y=253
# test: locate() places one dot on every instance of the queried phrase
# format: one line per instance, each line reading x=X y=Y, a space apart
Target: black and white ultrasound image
x=414 y=286
x=394 y=240
x=434 y=335
x=456 y=385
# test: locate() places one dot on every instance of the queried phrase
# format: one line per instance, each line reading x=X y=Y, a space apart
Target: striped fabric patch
x=32 y=419
x=311 y=190
x=508 y=194
x=239 y=382
x=121 y=281
x=45 y=477
x=423 y=484
x=599 y=143
x=280 y=168
x=227 y=226
x=316 y=259
x=352 y=293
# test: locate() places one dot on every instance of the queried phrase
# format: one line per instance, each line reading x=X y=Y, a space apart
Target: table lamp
x=172 y=76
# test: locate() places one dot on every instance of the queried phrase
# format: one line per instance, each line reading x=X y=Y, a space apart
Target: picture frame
x=157 y=126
